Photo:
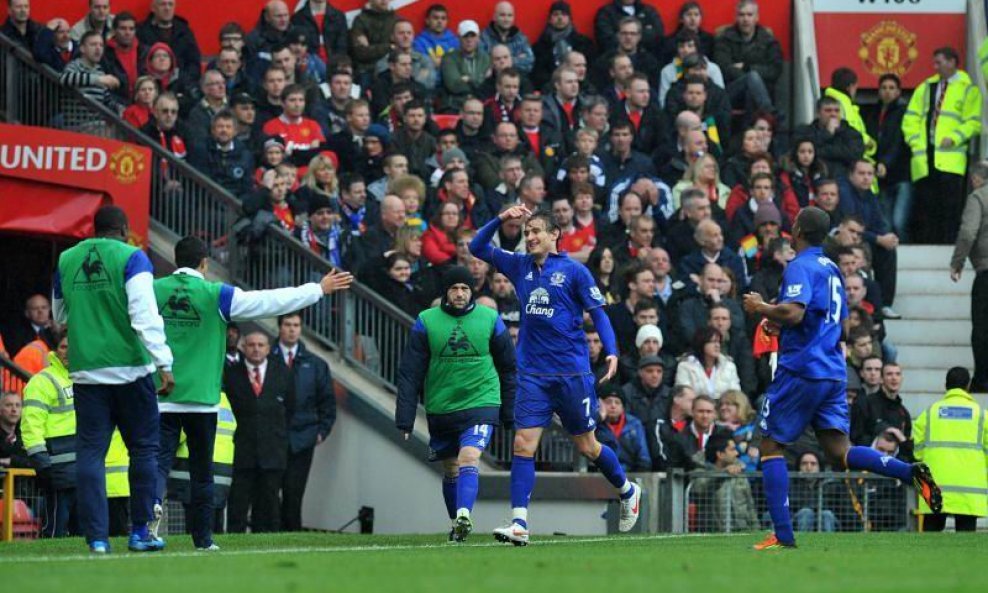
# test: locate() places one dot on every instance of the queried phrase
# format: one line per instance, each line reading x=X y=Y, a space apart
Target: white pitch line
x=334 y=549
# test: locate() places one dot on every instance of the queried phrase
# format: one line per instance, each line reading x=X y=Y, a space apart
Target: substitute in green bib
x=196 y=314
x=460 y=363
x=951 y=436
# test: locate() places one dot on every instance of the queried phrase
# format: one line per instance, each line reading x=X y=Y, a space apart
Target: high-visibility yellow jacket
x=951 y=436
x=852 y=115
x=983 y=58
x=178 y=477
x=48 y=421
x=960 y=120
x=117 y=463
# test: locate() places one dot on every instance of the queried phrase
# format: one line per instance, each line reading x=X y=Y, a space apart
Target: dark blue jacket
x=631 y=447
x=693 y=264
x=411 y=379
x=46 y=53
x=315 y=404
x=865 y=205
x=233 y=169
x=635 y=166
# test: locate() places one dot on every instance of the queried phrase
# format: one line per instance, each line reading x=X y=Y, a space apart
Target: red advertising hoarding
x=874 y=37
x=52 y=182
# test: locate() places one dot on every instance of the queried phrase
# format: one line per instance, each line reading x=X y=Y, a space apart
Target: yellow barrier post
x=8 y=500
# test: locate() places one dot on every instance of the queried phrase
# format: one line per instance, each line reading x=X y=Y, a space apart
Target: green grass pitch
x=845 y=563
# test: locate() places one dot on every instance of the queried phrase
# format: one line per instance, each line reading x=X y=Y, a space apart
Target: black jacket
x=549 y=55
x=333 y=34
x=261 y=439
x=874 y=414
x=652 y=129
x=27 y=40
x=182 y=41
x=411 y=382
x=762 y=54
x=605 y=25
x=14 y=449
x=20 y=333
x=232 y=169
x=315 y=403
x=893 y=152
x=45 y=53
x=836 y=150
x=111 y=65
x=718 y=106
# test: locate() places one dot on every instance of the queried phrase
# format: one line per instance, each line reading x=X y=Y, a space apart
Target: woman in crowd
x=145 y=93
x=703 y=174
x=785 y=198
x=735 y=413
x=439 y=240
x=801 y=170
x=601 y=264
x=320 y=178
x=397 y=287
x=706 y=370
x=748 y=149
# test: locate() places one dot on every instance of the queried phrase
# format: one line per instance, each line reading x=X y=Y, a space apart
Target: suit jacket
x=315 y=404
x=261 y=439
x=20 y=333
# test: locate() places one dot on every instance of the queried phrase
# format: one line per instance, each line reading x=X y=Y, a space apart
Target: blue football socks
x=140 y=530
x=522 y=484
x=466 y=487
x=865 y=458
x=609 y=465
x=775 y=477
x=449 y=496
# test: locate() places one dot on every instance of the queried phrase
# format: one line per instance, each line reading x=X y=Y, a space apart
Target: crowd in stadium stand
x=662 y=155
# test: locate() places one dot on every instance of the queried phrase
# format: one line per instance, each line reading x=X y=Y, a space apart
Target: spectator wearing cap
x=370 y=38
x=370 y=157
x=271 y=31
x=465 y=68
x=647 y=394
x=244 y=109
x=557 y=40
x=308 y=63
x=503 y=31
x=767 y=224
x=449 y=159
x=54 y=47
x=324 y=27
x=272 y=155
x=222 y=157
x=648 y=342
x=624 y=432
x=98 y=18
x=705 y=368
x=214 y=99
x=164 y=26
x=322 y=232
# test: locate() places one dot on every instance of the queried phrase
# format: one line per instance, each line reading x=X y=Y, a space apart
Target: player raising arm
x=554 y=373
x=810 y=384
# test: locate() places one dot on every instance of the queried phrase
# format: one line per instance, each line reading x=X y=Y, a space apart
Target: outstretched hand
x=336 y=280
x=612 y=366
x=514 y=213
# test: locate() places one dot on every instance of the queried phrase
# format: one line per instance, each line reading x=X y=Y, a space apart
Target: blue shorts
x=572 y=397
x=792 y=403
x=447 y=445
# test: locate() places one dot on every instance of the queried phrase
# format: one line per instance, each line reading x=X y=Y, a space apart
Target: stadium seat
x=25 y=525
x=446 y=120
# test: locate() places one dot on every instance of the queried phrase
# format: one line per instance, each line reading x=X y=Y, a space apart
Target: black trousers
x=938 y=207
x=255 y=491
x=200 y=434
x=979 y=329
x=293 y=488
x=885 y=263
x=939 y=522
x=119 y=514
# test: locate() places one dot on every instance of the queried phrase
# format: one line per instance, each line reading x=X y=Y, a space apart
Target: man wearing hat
x=466 y=68
x=322 y=232
x=460 y=363
x=647 y=395
x=624 y=432
x=558 y=39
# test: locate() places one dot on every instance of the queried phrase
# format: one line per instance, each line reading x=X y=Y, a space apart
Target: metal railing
x=825 y=501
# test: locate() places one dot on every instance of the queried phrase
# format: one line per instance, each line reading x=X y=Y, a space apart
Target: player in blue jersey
x=554 y=373
x=810 y=384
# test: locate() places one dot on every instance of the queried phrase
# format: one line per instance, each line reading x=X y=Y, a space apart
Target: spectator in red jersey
x=125 y=55
x=141 y=110
x=302 y=136
x=579 y=243
x=439 y=240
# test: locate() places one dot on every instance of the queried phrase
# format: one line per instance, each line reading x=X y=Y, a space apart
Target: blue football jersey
x=811 y=349
x=550 y=337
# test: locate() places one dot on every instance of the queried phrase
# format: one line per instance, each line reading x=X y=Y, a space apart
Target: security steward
x=951 y=436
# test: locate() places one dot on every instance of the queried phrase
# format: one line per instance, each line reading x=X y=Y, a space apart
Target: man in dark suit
x=35 y=324
x=315 y=413
x=261 y=390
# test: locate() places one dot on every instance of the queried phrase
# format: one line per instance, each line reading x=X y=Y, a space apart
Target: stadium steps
x=934 y=333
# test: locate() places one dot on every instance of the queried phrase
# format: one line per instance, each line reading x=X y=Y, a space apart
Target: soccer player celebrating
x=461 y=358
x=554 y=365
x=811 y=380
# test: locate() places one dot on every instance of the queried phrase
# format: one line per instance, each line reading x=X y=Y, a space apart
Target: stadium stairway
x=934 y=333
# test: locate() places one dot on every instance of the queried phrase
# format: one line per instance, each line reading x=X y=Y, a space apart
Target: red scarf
x=618 y=427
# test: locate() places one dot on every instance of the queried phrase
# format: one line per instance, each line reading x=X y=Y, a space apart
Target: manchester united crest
x=888 y=47
x=127 y=164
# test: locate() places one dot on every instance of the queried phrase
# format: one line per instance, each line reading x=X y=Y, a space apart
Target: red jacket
x=437 y=248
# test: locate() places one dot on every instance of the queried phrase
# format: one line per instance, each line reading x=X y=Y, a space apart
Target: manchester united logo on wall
x=888 y=47
x=127 y=164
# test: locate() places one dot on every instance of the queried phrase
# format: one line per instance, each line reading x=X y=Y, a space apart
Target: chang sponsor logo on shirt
x=537 y=304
